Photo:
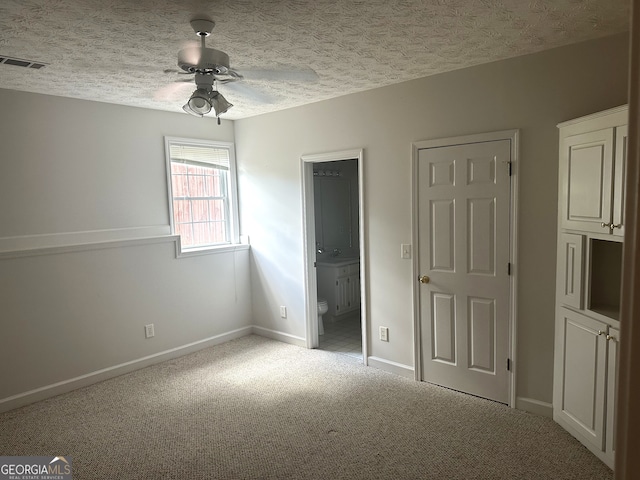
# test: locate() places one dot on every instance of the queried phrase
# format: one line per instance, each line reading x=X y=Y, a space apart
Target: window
x=202 y=192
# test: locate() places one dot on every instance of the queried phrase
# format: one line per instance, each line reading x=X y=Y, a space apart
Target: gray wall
x=71 y=166
x=532 y=93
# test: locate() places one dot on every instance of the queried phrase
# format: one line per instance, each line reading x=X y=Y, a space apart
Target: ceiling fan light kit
x=205 y=98
x=199 y=104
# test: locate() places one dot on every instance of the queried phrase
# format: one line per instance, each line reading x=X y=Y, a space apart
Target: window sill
x=194 y=252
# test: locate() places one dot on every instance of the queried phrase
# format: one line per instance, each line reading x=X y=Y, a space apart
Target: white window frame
x=234 y=234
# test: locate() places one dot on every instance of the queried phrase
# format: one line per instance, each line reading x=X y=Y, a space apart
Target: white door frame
x=512 y=136
x=309 y=245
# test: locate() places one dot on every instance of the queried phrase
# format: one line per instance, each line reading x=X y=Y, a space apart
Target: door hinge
x=509 y=167
x=508 y=364
x=314 y=265
x=509 y=268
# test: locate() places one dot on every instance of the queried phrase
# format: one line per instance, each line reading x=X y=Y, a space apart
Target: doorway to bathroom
x=335 y=293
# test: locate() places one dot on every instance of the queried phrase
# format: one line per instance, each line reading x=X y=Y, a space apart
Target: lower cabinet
x=585 y=381
x=612 y=387
x=340 y=286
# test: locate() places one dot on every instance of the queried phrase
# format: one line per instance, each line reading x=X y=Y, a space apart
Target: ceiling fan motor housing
x=203 y=60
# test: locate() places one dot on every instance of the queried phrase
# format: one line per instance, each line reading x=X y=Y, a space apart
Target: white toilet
x=323 y=307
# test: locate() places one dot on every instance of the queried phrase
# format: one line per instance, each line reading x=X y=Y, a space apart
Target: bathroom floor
x=343 y=335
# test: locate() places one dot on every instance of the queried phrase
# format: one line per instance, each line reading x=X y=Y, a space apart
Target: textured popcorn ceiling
x=116 y=50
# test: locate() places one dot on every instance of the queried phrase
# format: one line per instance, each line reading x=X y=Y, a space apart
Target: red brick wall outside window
x=200 y=203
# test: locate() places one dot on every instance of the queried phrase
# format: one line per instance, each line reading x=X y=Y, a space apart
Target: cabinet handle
x=600 y=332
x=619 y=225
x=612 y=337
x=606 y=225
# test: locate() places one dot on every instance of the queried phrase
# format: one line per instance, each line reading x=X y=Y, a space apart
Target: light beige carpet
x=255 y=408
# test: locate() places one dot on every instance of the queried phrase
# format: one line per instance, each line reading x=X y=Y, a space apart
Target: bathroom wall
x=340 y=217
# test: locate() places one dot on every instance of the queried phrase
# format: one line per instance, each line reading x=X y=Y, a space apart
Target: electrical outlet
x=405 y=250
x=384 y=334
x=149 y=331
x=283 y=311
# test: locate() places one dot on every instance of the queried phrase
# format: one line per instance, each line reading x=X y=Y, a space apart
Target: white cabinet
x=570 y=262
x=586 y=173
x=590 y=222
x=579 y=377
x=339 y=284
x=585 y=381
x=592 y=157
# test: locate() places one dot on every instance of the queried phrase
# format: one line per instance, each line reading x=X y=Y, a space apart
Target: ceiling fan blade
x=173 y=92
x=281 y=74
x=250 y=92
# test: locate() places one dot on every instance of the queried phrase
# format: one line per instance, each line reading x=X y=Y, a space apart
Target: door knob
x=424 y=279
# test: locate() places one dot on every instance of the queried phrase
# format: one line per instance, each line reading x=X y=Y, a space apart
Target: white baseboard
x=537 y=407
x=391 y=367
x=25 y=398
x=280 y=336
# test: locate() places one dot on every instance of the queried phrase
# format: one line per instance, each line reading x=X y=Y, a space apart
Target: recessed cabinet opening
x=604 y=277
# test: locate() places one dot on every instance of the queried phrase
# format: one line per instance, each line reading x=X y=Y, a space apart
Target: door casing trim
x=309 y=229
x=513 y=137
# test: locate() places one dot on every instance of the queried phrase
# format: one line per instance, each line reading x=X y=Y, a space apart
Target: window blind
x=200 y=154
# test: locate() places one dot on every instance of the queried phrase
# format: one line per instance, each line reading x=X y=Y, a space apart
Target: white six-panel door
x=463 y=234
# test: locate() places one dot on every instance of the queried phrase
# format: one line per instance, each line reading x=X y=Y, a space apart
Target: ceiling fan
x=211 y=67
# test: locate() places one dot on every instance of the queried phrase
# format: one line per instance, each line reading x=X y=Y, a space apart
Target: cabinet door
x=570 y=265
x=586 y=167
x=342 y=295
x=354 y=292
x=619 y=175
x=579 y=379
x=612 y=386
